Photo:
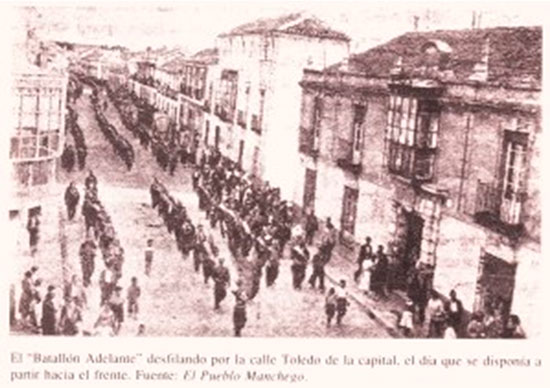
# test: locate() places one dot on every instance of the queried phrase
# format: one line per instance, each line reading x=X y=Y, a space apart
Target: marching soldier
x=71 y=200
x=91 y=182
x=239 y=311
x=87 y=256
x=199 y=251
x=318 y=261
x=221 y=277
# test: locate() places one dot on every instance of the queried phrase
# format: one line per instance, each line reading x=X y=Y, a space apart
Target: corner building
x=430 y=144
x=257 y=95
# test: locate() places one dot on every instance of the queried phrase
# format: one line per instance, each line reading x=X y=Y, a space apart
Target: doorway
x=496 y=284
x=409 y=240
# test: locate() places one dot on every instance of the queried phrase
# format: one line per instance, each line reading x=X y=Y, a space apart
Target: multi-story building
x=256 y=107
x=431 y=142
x=37 y=137
x=196 y=96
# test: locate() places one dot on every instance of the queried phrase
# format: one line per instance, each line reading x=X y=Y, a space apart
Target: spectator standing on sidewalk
x=149 y=254
x=134 y=292
x=330 y=305
x=365 y=252
x=380 y=272
x=116 y=303
x=367 y=266
x=342 y=302
x=406 y=321
x=455 y=311
x=475 y=327
x=49 y=313
x=435 y=312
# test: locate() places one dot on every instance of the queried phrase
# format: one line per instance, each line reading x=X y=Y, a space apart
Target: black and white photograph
x=271 y=169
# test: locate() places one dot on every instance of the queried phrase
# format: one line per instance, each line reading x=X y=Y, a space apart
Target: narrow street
x=175 y=301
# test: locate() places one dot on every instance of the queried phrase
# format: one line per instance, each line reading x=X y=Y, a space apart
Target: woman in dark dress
x=49 y=313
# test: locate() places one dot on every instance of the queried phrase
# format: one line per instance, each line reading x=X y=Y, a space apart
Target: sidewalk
x=383 y=311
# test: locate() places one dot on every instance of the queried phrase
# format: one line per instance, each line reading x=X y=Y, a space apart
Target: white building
x=257 y=102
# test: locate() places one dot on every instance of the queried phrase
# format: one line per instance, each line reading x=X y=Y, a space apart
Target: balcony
x=347 y=158
x=256 y=124
x=498 y=212
x=241 y=119
x=222 y=113
x=198 y=94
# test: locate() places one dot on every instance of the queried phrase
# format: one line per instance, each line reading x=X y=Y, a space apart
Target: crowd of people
x=260 y=228
x=194 y=240
x=41 y=312
x=74 y=155
x=121 y=146
x=138 y=117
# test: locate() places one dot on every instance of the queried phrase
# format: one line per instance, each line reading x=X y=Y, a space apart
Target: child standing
x=134 y=292
x=330 y=305
x=406 y=322
x=149 y=253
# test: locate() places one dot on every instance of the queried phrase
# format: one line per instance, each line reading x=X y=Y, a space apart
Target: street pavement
x=175 y=301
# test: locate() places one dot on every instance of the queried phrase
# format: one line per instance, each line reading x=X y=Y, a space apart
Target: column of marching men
x=66 y=317
x=137 y=116
x=258 y=228
x=121 y=146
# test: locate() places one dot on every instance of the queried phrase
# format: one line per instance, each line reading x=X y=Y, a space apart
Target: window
x=515 y=145
x=359 y=112
x=413 y=126
x=316 y=116
x=513 y=182
x=349 y=210
x=14 y=148
x=40 y=173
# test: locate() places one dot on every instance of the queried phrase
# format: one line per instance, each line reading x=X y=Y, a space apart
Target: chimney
x=473 y=20
x=481 y=69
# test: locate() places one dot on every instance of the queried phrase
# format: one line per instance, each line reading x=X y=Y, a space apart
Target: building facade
x=257 y=96
x=36 y=139
x=430 y=144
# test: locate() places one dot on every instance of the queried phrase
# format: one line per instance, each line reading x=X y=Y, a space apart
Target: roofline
x=454 y=83
x=277 y=32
